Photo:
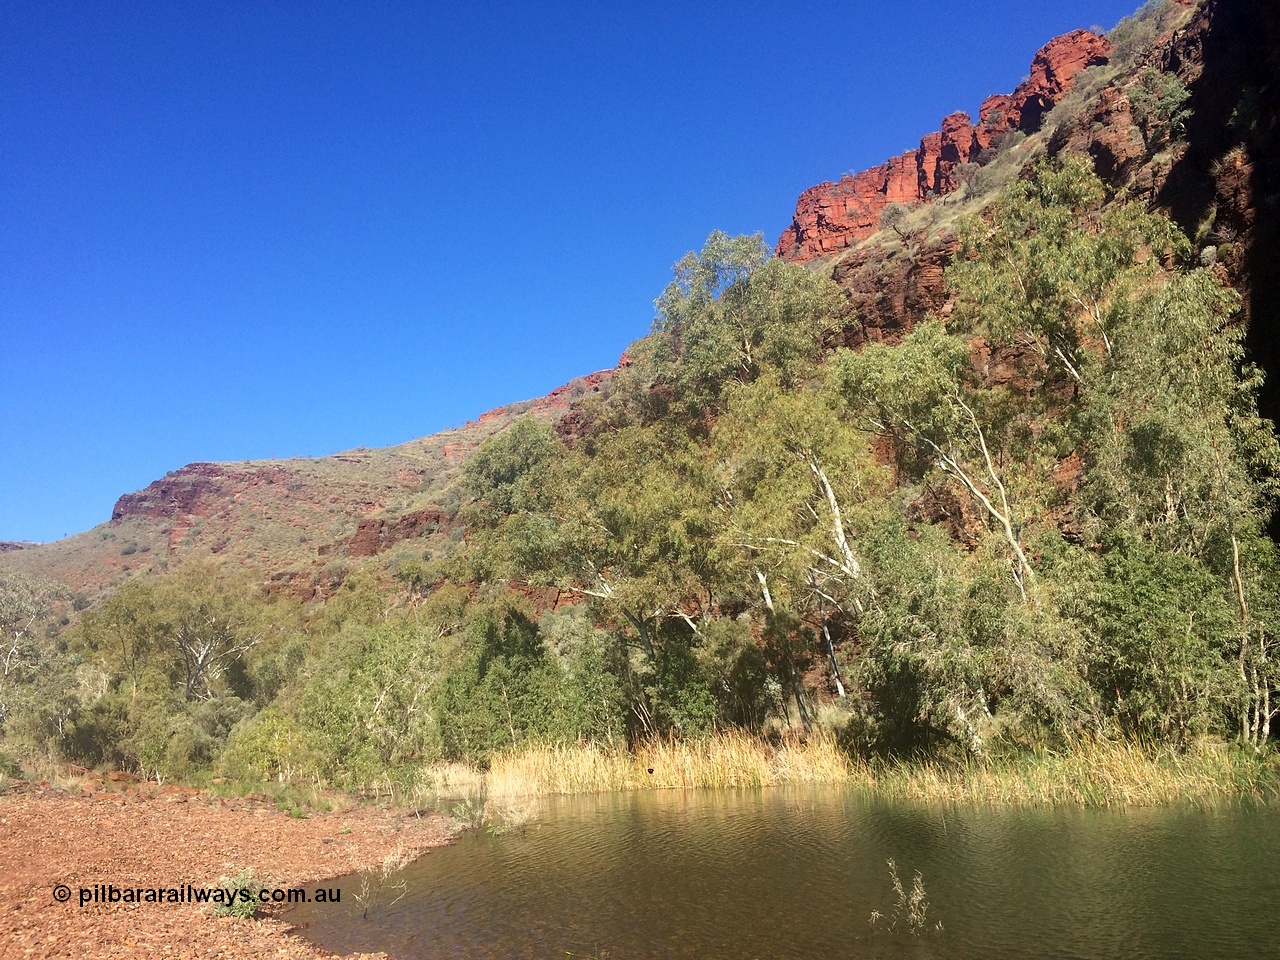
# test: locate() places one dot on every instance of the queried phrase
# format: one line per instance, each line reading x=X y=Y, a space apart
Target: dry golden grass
x=737 y=760
x=730 y=759
x=559 y=768
x=1093 y=774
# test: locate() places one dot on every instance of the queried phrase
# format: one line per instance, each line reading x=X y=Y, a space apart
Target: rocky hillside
x=834 y=216
x=304 y=521
x=1205 y=152
x=1218 y=176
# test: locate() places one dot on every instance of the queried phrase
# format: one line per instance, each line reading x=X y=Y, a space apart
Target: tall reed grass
x=1092 y=774
x=730 y=759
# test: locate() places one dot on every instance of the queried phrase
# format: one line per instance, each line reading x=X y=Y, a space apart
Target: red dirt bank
x=168 y=837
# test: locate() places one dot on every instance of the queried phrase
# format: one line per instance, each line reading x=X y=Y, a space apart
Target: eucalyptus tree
x=1053 y=267
x=1160 y=406
x=792 y=479
x=24 y=602
x=1179 y=458
x=627 y=525
x=192 y=630
x=25 y=605
x=917 y=396
x=732 y=312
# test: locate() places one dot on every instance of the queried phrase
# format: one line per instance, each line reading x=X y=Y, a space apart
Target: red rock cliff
x=832 y=216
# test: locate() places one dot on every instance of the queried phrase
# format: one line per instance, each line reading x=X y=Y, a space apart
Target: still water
x=797 y=873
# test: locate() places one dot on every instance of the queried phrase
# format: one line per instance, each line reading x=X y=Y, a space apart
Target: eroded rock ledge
x=833 y=216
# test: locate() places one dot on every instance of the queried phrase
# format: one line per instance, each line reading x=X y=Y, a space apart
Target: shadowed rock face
x=376 y=534
x=1229 y=176
x=1109 y=135
x=833 y=216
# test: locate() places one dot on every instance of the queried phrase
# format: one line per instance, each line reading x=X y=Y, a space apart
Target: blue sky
x=233 y=231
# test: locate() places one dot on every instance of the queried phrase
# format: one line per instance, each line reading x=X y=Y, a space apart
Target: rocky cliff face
x=833 y=216
x=193 y=490
x=1220 y=181
x=303 y=520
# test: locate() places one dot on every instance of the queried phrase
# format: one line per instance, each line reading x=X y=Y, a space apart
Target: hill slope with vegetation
x=988 y=477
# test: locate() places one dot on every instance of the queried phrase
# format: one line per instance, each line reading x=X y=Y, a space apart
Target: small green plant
x=241 y=897
x=9 y=767
x=1244 y=118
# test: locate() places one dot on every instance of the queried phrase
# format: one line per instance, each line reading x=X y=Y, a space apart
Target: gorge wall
x=833 y=216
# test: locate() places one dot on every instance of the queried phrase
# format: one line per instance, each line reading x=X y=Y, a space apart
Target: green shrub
x=244 y=897
x=1134 y=35
x=9 y=767
x=369 y=704
x=1160 y=108
x=1163 y=631
x=508 y=690
x=272 y=745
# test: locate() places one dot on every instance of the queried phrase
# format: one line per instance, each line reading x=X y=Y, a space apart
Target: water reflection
x=797 y=872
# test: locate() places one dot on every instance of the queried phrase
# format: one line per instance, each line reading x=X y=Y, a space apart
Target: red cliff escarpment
x=196 y=491
x=833 y=216
x=190 y=490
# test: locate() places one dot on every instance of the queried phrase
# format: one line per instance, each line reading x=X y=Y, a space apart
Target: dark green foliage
x=1163 y=632
x=1159 y=102
x=505 y=470
x=736 y=672
x=509 y=690
x=1244 y=118
x=681 y=698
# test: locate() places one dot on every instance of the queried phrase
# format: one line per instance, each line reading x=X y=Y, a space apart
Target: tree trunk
x=831 y=651
x=799 y=694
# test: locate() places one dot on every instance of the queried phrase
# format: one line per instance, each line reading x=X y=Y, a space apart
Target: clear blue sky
x=234 y=230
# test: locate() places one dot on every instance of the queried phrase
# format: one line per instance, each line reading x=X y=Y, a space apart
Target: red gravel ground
x=148 y=836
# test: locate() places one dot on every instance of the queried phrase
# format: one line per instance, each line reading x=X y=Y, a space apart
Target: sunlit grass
x=560 y=768
x=730 y=759
x=1091 y=774
x=738 y=760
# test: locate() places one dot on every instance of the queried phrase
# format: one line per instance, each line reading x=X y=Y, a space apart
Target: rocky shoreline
x=148 y=836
